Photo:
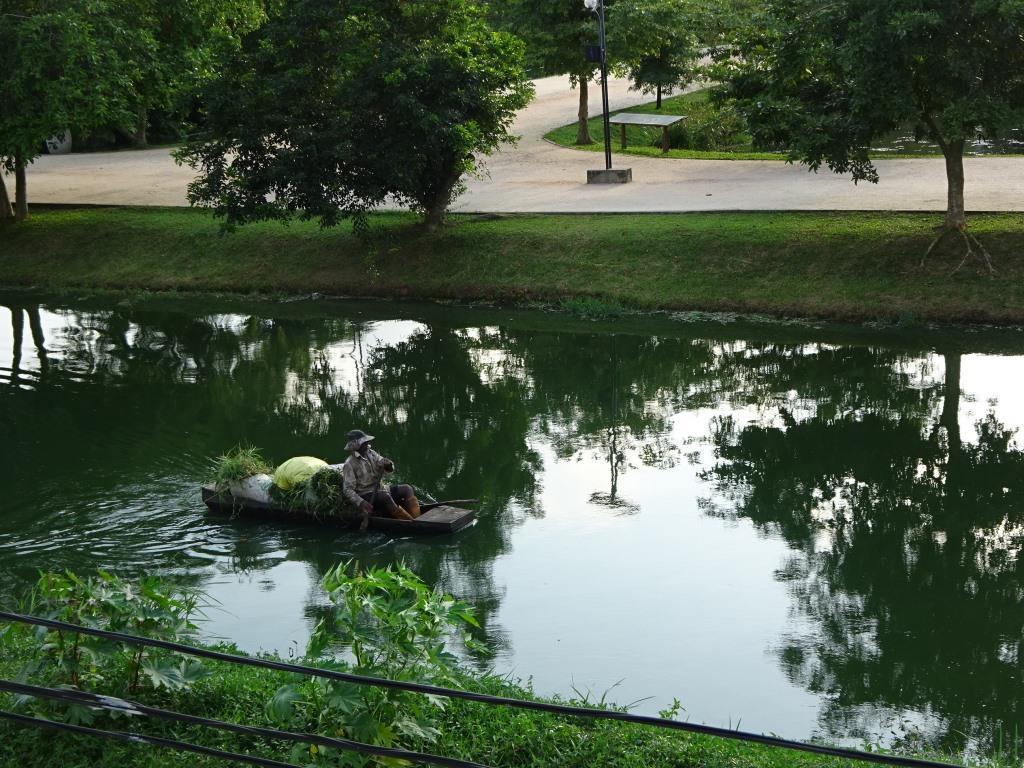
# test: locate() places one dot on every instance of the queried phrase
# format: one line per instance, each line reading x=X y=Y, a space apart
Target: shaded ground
x=537 y=176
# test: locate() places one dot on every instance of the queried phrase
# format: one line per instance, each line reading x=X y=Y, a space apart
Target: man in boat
x=363 y=472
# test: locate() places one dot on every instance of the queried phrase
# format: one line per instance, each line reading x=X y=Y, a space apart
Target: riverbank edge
x=842 y=266
x=498 y=736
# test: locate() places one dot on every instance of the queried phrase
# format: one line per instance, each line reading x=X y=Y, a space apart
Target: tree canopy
x=657 y=43
x=331 y=108
x=557 y=33
x=62 y=68
x=177 y=44
x=826 y=80
x=89 y=64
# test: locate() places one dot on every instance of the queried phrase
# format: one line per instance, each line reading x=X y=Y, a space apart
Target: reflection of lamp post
x=613 y=500
x=608 y=175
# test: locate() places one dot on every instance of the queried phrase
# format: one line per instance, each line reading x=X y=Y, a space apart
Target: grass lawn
x=851 y=266
x=639 y=139
x=646 y=142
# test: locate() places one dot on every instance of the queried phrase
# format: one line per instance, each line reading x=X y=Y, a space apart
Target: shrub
x=104 y=601
x=390 y=624
x=709 y=126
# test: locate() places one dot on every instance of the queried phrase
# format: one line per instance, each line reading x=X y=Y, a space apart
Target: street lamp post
x=597 y=6
x=607 y=176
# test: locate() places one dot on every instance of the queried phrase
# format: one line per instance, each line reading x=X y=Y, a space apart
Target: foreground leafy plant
x=390 y=624
x=104 y=601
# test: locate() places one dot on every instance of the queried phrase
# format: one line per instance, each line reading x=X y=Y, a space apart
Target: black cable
x=483 y=698
x=114 y=704
x=156 y=741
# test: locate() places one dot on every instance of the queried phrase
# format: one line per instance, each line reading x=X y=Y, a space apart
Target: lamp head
x=591 y=5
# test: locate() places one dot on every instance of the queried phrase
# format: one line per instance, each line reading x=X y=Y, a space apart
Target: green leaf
x=77 y=714
x=409 y=727
x=281 y=707
x=163 y=674
x=192 y=671
x=345 y=697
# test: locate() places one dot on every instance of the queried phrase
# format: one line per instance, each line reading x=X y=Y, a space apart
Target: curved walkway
x=537 y=176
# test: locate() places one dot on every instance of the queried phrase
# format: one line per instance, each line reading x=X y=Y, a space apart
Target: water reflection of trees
x=144 y=393
x=905 y=538
x=904 y=532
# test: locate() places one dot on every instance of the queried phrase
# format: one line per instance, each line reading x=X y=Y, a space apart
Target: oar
x=452 y=503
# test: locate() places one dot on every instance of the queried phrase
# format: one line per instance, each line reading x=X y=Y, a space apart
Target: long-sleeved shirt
x=362 y=475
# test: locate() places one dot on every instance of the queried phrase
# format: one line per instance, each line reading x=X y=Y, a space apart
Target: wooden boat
x=435 y=518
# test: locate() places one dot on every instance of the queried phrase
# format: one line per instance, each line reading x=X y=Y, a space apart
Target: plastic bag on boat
x=297 y=470
x=255 y=488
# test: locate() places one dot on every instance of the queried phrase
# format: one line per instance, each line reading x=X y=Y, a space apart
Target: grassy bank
x=854 y=266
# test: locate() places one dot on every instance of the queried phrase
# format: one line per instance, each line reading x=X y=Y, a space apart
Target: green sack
x=297 y=470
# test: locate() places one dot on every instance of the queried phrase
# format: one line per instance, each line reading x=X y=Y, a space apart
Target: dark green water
x=808 y=530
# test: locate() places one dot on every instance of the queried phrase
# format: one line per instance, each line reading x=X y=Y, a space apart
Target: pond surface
x=812 y=531
x=906 y=143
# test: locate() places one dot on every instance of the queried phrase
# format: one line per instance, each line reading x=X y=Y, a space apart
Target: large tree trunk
x=956 y=218
x=434 y=216
x=658 y=104
x=20 y=190
x=5 y=201
x=35 y=324
x=950 y=419
x=437 y=206
x=18 y=330
x=139 y=137
x=583 y=128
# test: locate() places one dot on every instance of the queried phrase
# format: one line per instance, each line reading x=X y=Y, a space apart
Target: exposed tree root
x=976 y=249
x=972 y=247
x=935 y=243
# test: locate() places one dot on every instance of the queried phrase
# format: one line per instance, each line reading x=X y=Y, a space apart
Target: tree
x=827 y=80
x=60 y=71
x=658 y=43
x=177 y=46
x=556 y=33
x=331 y=108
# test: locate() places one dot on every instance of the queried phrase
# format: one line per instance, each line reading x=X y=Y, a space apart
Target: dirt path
x=536 y=176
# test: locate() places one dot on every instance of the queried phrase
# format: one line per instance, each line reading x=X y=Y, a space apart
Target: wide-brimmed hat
x=356 y=439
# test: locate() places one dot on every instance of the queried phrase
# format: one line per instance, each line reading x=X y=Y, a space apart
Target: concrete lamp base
x=613 y=176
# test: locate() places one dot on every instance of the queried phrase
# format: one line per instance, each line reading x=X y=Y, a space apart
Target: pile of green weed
x=237 y=464
x=326 y=487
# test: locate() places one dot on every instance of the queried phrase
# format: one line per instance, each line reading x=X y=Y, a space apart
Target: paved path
x=538 y=176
